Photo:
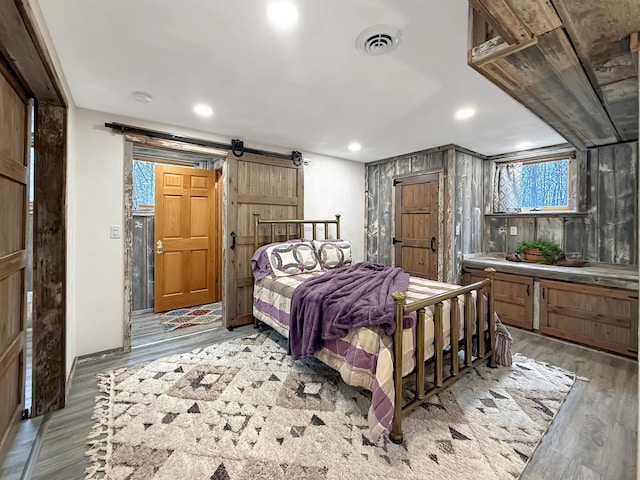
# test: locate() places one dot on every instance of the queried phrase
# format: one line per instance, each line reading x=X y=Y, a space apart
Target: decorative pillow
x=333 y=253
x=293 y=259
x=260 y=264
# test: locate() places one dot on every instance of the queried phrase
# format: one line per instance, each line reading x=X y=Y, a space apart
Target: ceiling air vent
x=378 y=39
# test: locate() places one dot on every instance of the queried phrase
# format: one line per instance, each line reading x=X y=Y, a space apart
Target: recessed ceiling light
x=282 y=15
x=203 y=110
x=524 y=145
x=141 y=97
x=465 y=113
x=354 y=146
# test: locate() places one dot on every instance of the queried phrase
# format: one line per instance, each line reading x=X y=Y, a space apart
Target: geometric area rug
x=242 y=410
x=190 y=316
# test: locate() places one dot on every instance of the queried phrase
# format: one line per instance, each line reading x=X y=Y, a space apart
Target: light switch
x=115 y=231
x=513 y=230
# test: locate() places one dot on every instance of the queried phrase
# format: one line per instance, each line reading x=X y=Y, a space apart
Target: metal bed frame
x=476 y=347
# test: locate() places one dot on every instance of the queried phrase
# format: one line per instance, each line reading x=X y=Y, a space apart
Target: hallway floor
x=147 y=330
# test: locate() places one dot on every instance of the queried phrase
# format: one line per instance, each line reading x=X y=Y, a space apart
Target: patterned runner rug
x=243 y=410
x=188 y=317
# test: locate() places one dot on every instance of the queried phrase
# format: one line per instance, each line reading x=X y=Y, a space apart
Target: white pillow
x=293 y=259
x=333 y=253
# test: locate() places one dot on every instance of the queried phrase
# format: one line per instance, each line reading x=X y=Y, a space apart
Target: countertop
x=606 y=275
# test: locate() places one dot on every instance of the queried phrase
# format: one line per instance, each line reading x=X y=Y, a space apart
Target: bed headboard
x=297 y=225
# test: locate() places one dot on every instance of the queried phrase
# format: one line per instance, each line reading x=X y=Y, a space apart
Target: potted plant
x=540 y=251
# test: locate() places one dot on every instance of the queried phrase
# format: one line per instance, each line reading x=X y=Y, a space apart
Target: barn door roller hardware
x=236 y=146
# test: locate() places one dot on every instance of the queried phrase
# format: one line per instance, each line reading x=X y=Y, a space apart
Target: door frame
x=25 y=55
x=127 y=211
x=438 y=175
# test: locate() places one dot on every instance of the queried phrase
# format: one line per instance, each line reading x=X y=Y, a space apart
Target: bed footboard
x=477 y=347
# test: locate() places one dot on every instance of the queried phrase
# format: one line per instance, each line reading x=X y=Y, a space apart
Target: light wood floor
x=594 y=435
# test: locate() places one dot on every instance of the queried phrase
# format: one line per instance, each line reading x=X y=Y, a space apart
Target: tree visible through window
x=143 y=184
x=534 y=185
x=545 y=185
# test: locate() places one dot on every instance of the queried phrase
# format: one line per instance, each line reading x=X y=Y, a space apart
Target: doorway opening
x=176 y=251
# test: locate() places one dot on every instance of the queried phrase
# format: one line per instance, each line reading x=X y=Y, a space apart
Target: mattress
x=364 y=357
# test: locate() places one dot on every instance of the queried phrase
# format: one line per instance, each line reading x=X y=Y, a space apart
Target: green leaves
x=550 y=251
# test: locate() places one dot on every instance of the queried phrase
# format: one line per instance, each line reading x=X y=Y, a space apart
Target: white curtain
x=506 y=187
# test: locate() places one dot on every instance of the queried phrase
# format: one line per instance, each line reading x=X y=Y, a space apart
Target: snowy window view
x=143 y=184
x=545 y=185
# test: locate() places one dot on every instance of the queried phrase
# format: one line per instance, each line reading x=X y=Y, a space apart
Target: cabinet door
x=601 y=317
x=513 y=297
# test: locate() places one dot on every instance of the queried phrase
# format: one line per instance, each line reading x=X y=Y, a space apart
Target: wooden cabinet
x=513 y=296
x=602 y=317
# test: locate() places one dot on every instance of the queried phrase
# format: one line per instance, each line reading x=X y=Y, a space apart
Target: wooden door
x=275 y=188
x=416 y=225
x=184 y=237
x=14 y=176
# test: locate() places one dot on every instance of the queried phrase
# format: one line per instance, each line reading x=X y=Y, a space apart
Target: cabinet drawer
x=601 y=317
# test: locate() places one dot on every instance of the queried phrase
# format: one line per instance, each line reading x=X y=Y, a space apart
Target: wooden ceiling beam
x=539 y=16
x=578 y=71
x=25 y=50
x=599 y=33
x=500 y=15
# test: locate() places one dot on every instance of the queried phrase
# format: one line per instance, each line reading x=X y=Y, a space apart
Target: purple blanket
x=326 y=307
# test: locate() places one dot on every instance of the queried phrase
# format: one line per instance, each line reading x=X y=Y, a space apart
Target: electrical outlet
x=513 y=231
x=115 y=231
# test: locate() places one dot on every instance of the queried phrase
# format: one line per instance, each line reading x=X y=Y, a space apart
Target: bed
x=379 y=357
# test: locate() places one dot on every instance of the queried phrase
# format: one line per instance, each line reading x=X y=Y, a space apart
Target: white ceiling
x=307 y=89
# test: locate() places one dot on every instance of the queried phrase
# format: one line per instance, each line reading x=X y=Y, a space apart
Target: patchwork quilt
x=364 y=356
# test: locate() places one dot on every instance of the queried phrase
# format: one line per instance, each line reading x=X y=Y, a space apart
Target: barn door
x=14 y=175
x=274 y=188
x=184 y=237
x=416 y=225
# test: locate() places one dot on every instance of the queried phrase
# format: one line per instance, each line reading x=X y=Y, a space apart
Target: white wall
x=334 y=186
x=98 y=276
x=331 y=186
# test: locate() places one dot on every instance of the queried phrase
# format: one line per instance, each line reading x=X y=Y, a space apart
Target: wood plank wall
x=142 y=261
x=468 y=204
x=379 y=192
x=607 y=229
x=611 y=204
x=49 y=259
x=463 y=207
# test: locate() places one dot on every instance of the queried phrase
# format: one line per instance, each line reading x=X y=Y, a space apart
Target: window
x=143 y=184
x=546 y=185
x=540 y=185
